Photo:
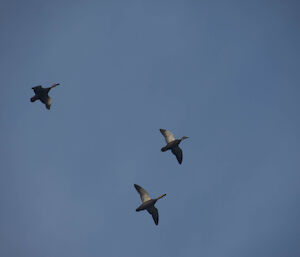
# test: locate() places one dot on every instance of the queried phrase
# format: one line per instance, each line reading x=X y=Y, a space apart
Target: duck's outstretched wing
x=143 y=193
x=178 y=153
x=154 y=212
x=38 y=89
x=169 y=137
x=34 y=98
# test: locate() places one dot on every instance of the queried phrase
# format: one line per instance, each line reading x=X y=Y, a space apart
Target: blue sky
x=223 y=73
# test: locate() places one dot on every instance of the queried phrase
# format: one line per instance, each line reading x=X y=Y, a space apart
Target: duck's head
x=160 y=197
x=184 y=137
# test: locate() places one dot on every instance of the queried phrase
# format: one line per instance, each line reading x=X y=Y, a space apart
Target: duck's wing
x=169 y=137
x=143 y=193
x=178 y=153
x=37 y=90
x=154 y=212
x=34 y=98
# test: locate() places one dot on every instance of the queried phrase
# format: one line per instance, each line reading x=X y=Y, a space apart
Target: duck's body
x=172 y=144
x=42 y=95
x=148 y=203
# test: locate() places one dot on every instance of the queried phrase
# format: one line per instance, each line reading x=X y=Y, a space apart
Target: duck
x=148 y=203
x=172 y=144
x=42 y=95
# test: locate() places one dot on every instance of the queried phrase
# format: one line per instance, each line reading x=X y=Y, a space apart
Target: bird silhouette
x=42 y=95
x=148 y=203
x=172 y=144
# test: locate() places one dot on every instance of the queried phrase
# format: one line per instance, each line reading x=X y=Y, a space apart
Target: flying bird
x=172 y=144
x=42 y=95
x=148 y=203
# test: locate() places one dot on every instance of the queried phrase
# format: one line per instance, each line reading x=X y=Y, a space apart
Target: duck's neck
x=161 y=196
x=184 y=137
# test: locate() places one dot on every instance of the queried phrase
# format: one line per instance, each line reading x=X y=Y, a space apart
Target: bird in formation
x=148 y=203
x=172 y=144
x=42 y=95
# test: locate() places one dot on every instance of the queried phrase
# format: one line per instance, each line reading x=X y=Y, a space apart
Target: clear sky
x=224 y=73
